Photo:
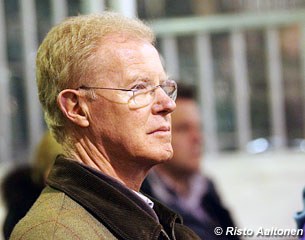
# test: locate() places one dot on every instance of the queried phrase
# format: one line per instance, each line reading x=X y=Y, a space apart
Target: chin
x=168 y=152
x=158 y=153
x=163 y=156
x=168 y=156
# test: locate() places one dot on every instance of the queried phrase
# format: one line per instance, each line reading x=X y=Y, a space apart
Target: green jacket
x=82 y=203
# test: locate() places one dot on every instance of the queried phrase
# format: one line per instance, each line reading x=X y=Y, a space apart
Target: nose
x=163 y=103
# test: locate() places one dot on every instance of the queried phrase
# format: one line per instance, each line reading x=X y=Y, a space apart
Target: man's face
x=141 y=136
x=186 y=137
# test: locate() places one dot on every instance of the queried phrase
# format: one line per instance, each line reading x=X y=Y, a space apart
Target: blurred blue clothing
x=202 y=210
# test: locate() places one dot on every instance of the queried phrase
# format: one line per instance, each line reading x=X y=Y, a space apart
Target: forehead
x=131 y=60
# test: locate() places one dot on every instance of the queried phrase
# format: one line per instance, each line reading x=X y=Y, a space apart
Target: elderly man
x=179 y=183
x=108 y=101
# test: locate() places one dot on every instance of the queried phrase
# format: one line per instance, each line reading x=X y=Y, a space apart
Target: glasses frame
x=134 y=90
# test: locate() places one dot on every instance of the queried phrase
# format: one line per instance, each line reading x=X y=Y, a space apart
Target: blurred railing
x=27 y=14
x=168 y=30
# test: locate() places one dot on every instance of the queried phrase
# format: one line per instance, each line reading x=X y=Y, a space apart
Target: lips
x=161 y=130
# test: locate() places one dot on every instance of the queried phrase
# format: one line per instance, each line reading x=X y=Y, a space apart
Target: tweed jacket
x=81 y=203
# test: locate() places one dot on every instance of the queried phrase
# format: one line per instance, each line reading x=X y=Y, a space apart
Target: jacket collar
x=111 y=202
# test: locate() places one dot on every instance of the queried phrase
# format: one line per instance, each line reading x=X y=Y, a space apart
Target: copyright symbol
x=218 y=231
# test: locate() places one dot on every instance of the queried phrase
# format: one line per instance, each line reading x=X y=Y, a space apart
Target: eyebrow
x=142 y=78
x=148 y=80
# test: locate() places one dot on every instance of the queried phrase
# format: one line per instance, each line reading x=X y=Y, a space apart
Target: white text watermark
x=260 y=232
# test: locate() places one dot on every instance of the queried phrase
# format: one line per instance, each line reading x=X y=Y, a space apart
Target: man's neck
x=121 y=169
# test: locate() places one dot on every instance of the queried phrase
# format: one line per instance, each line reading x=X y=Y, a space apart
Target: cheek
x=120 y=124
x=131 y=126
x=107 y=121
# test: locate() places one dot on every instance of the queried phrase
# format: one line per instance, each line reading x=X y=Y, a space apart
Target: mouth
x=161 y=130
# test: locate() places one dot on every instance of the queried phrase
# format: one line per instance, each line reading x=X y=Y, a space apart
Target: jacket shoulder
x=56 y=216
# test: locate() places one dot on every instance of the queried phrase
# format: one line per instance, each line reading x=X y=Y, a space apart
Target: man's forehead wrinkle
x=125 y=57
x=109 y=64
x=128 y=61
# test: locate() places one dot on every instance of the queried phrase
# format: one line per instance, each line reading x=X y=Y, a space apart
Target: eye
x=139 y=86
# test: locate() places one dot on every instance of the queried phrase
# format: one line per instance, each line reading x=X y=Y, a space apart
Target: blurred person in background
x=22 y=185
x=179 y=183
x=108 y=101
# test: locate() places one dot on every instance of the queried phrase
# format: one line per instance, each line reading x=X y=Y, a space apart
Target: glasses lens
x=141 y=98
x=170 y=88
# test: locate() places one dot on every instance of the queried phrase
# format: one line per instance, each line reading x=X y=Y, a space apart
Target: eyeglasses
x=143 y=93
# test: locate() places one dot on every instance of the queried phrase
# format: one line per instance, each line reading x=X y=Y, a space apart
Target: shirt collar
x=145 y=199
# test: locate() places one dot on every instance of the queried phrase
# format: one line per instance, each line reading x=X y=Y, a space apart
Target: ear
x=71 y=104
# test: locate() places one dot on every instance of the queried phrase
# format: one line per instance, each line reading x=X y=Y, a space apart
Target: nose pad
x=163 y=103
